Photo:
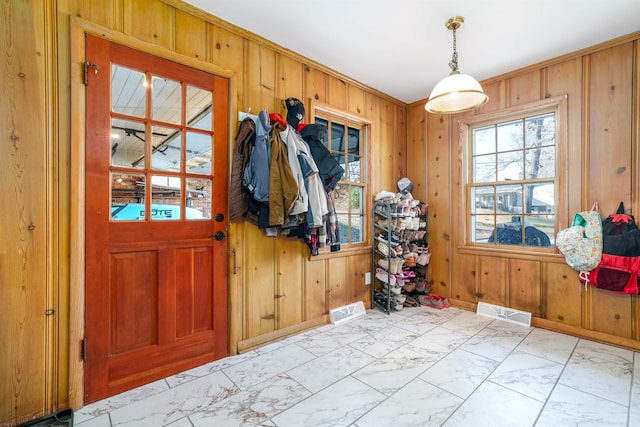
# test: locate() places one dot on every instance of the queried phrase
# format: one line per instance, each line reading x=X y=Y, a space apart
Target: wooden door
x=156 y=203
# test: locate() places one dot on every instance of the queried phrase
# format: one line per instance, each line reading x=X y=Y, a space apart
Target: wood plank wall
x=276 y=288
x=28 y=254
x=602 y=86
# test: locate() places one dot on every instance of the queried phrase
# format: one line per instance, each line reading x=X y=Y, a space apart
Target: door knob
x=219 y=235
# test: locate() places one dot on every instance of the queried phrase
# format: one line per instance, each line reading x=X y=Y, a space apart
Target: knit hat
x=405 y=185
x=295 y=111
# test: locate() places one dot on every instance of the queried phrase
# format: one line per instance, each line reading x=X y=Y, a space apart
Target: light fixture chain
x=454 y=59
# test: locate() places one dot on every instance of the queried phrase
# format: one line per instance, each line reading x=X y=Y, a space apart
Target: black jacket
x=330 y=170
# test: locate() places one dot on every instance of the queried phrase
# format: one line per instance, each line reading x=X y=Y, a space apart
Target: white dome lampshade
x=457 y=92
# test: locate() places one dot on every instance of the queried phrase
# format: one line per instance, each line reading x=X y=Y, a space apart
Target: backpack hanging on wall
x=619 y=268
x=581 y=244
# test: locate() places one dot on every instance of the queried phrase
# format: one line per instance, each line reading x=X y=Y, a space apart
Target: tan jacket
x=283 y=188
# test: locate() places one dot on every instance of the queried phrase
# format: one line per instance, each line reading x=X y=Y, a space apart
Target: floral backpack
x=581 y=244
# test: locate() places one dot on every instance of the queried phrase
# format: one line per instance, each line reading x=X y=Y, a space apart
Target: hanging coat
x=315 y=196
x=283 y=186
x=330 y=170
x=256 y=173
x=241 y=153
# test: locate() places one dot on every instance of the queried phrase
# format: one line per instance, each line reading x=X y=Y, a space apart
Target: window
x=346 y=140
x=513 y=177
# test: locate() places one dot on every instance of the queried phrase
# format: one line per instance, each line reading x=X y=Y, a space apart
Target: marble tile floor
x=416 y=367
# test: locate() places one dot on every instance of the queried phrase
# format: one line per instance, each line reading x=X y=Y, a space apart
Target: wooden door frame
x=79 y=29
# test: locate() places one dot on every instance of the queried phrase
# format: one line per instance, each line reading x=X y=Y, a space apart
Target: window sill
x=342 y=253
x=528 y=254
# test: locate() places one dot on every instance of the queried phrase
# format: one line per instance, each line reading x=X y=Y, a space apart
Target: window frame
x=558 y=106
x=327 y=111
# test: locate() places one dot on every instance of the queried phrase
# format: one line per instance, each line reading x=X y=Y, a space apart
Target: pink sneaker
x=430 y=301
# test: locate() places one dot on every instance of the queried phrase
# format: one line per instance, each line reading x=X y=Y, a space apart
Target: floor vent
x=511 y=315
x=343 y=314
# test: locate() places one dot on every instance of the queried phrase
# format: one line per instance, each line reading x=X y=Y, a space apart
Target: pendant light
x=457 y=92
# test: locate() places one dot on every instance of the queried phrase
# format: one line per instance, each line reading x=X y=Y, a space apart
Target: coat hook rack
x=243 y=115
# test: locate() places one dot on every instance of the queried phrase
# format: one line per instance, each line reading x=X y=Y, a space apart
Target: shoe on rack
x=393 y=239
x=396 y=265
x=381 y=299
x=382 y=262
x=398 y=250
x=400 y=299
x=423 y=287
x=394 y=288
x=410 y=302
x=423 y=259
x=384 y=249
x=410 y=259
x=385 y=195
x=408 y=273
x=383 y=222
x=409 y=287
x=385 y=277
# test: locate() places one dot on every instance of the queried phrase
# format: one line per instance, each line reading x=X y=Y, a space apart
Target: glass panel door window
x=161 y=148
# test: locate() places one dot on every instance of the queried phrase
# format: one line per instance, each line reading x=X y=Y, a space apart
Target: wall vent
x=348 y=312
x=511 y=315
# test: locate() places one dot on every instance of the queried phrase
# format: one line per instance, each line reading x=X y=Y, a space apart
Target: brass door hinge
x=88 y=65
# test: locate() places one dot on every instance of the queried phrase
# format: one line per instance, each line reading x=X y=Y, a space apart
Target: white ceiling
x=402 y=47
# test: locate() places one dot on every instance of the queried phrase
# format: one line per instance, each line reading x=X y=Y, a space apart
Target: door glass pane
x=167 y=100
x=199 y=198
x=128 y=91
x=127 y=144
x=165 y=197
x=199 y=108
x=127 y=196
x=166 y=149
x=199 y=148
